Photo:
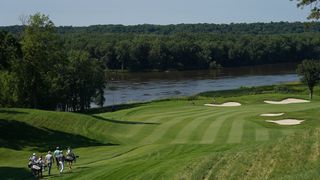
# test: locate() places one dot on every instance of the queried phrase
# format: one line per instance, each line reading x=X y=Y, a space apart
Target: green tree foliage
x=139 y=53
x=122 y=53
x=8 y=89
x=41 y=64
x=9 y=50
x=193 y=46
x=159 y=55
x=43 y=75
x=195 y=51
x=315 y=7
x=309 y=70
x=85 y=81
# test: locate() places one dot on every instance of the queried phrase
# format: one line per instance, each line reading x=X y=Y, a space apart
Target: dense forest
x=194 y=51
x=191 y=46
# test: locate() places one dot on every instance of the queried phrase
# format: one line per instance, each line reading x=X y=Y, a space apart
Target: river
x=140 y=87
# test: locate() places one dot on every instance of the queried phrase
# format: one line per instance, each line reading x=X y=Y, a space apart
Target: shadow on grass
x=18 y=135
x=15 y=173
x=9 y=111
x=122 y=122
x=114 y=108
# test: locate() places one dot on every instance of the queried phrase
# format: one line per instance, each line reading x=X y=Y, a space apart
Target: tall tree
x=122 y=52
x=42 y=62
x=85 y=80
x=309 y=70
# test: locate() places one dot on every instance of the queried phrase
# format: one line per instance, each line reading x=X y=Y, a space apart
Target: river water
x=140 y=87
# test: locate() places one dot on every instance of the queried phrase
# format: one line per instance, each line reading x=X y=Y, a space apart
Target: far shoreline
x=219 y=93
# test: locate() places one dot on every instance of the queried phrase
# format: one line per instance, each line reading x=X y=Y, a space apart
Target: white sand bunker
x=272 y=114
x=227 y=104
x=288 y=101
x=286 y=122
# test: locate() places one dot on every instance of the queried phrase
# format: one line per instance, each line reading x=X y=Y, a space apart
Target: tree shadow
x=15 y=173
x=122 y=122
x=114 y=108
x=18 y=135
x=10 y=111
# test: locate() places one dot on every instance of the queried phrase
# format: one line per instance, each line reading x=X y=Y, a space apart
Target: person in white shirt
x=49 y=160
x=33 y=158
x=56 y=154
x=61 y=161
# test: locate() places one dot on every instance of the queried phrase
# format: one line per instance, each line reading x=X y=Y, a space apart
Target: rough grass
x=173 y=139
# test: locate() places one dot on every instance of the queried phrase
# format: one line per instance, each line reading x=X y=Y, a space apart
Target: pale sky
x=130 y=12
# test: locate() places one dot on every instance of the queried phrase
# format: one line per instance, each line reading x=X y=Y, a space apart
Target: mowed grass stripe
x=236 y=131
x=165 y=111
x=211 y=133
x=140 y=113
x=134 y=131
x=170 y=129
x=179 y=128
x=199 y=131
x=160 y=130
x=262 y=134
x=184 y=135
x=146 y=130
x=249 y=131
x=224 y=130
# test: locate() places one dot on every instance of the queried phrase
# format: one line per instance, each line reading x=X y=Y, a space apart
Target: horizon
x=128 y=13
x=275 y=22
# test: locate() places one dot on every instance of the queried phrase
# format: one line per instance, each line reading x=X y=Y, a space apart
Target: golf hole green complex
x=171 y=139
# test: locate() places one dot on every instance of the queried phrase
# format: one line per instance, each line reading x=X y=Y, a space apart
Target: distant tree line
x=185 y=51
x=233 y=28
x=37 y=71
x=191 y=46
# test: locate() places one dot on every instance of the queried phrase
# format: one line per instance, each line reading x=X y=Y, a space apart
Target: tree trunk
x=122 y=66
x=82 y=101
x=311 y=94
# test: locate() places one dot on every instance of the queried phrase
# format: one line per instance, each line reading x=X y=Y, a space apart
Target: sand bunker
x=286 y=122
x=287 y=101
x=272 y=115
x=227 y=104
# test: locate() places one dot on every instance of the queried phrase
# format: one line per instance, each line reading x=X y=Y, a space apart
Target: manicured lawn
x=173 y=139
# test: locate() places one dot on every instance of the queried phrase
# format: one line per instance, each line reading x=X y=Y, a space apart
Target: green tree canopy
x=42 y=62
x=309 y=70
x=85 y=80
x=9 y=49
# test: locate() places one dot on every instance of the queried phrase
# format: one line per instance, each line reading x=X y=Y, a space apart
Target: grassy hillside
x=173 y=139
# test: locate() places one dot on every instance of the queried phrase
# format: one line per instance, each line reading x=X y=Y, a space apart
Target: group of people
x=38 y=165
